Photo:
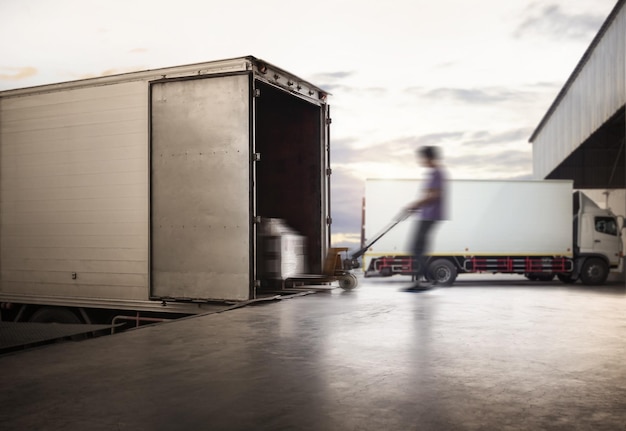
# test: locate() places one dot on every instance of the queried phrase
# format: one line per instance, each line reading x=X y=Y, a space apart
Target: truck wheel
x=442 y=272
x=595 y=272
x=348 y=281
x=386 y=272
x=54 y=315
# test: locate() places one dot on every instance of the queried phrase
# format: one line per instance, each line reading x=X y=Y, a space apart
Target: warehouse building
x=582 y=135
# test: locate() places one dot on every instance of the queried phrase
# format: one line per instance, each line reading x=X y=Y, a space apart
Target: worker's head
x=428 y=155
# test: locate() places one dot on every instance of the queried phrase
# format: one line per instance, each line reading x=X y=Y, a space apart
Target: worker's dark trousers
x=421 y=244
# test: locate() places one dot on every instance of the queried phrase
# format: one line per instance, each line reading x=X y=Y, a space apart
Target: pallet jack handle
x=400 y=217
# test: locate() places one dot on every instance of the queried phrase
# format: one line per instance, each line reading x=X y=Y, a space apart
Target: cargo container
x=143 y=191
x=536 y=228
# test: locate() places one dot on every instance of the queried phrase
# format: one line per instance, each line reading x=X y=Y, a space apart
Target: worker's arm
x=431 y=195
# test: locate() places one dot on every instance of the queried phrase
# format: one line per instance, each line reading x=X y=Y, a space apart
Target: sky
x=474 y=77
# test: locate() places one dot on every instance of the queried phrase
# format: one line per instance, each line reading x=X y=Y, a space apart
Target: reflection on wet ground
x=488 y=353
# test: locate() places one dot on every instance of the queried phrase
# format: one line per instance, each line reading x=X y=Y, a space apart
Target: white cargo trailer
x=143 y=191
x=537 y=228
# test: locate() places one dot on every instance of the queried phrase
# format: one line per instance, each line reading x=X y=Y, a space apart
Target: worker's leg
x=421 y=245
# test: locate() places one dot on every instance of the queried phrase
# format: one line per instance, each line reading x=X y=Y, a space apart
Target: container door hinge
x=329 y=120
x=256 y=157
x=329 y=220
x=329 y=171
x=256 y=219
x=257 y=283
x=257 y=92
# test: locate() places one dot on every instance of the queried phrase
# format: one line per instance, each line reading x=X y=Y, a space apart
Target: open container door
x=292 y=175
x=200 y=188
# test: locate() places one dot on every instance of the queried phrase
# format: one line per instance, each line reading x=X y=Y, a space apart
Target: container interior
x=290 y=175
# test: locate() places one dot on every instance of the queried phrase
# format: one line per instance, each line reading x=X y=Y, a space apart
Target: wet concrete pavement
x=501 y=354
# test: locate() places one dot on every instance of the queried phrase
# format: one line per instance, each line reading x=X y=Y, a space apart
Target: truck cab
x=598 y=247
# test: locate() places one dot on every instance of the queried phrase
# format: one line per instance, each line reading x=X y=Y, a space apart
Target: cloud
x=331 y=76
x=350 y=240
x=346 y=198
x=506 y=162
x=509 y=161
x=467 y=154
x=17 y=73
x=342 y=150
x=395 y=151
x=340 y=90
x=438 y=138
x=487 y=139
x=332 y=81
x=485 y=95
x=552 y=21
x=337 y=84
x=333 y=88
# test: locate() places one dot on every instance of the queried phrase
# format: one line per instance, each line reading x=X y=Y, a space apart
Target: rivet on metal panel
x=276 y=77
x=290 y=83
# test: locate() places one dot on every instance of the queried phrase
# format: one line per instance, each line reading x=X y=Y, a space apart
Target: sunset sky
x=474 y=77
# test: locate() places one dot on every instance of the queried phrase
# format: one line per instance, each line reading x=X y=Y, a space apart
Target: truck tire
x=348 y=281
x=442 y=272
x=594 y=272
x=54 y=315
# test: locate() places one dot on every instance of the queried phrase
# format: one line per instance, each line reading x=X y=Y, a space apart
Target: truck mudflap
x=519 y=265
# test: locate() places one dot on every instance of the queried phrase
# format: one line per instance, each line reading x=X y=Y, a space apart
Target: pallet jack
x=340 y=270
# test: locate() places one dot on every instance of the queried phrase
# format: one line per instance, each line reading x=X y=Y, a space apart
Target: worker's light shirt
x=435 y=209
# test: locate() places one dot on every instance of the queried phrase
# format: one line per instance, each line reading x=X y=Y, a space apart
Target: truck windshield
x=606 y=225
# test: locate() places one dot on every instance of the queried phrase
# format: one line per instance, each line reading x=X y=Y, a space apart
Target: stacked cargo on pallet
x=283 y=250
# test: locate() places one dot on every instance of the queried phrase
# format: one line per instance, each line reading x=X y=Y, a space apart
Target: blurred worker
x=431 y=208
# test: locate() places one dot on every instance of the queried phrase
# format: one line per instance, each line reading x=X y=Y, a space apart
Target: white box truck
x=143 y=191
x=537 y=228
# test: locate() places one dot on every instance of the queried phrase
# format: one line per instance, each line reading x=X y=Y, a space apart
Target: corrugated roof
x=579 y=67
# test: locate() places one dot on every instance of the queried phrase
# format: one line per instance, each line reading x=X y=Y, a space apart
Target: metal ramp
x=22 y=335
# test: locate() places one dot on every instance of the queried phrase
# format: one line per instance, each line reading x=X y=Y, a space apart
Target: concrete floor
x=505 y=354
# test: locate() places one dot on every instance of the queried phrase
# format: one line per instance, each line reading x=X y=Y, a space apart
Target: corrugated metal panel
x=594 y=93
x=74 y=192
